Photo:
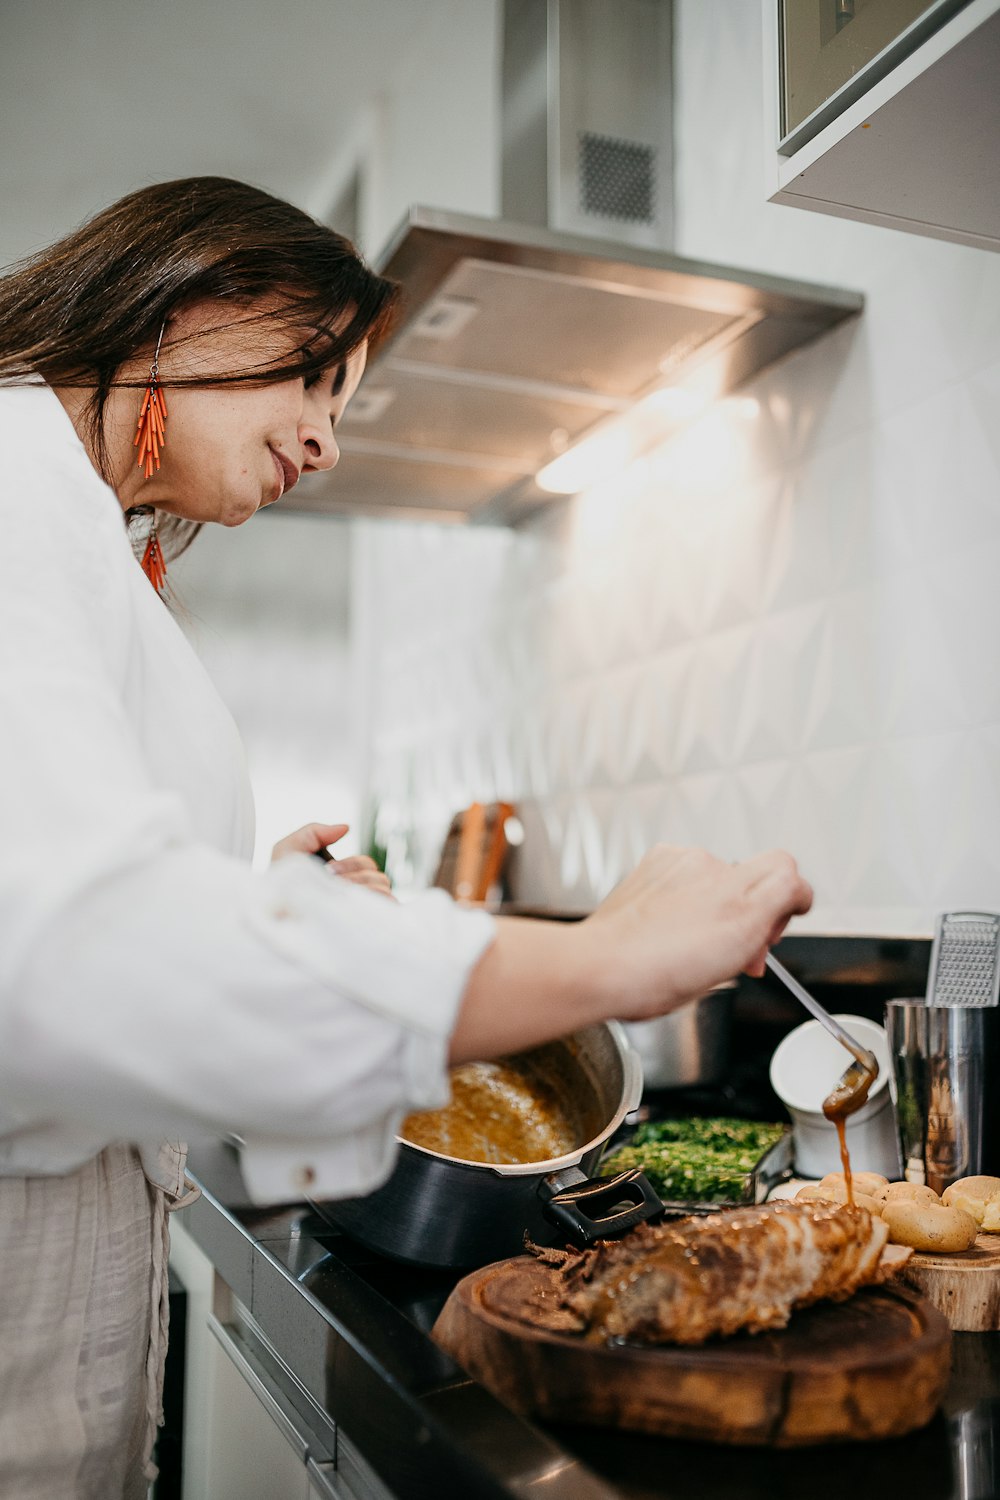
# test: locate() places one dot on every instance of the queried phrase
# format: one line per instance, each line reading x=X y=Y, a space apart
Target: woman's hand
x=357 y=868
x=684 y=921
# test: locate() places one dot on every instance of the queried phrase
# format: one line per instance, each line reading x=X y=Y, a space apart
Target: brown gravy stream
x=531 y=1107
x=849 y=1095
x=845 y=1157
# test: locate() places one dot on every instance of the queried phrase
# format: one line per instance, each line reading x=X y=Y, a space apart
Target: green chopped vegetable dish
x=698 y=1160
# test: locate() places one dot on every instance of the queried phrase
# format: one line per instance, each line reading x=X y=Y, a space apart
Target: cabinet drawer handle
x=323 y=1481
x=271 y=1396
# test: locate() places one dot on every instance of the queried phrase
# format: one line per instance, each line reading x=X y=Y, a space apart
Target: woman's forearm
x=531 y=985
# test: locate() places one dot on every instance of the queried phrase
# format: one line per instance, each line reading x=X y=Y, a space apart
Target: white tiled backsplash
x=782 y=628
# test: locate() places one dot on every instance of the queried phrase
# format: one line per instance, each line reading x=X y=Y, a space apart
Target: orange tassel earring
x=152 y=419
x=149 y=441
x=153 y=563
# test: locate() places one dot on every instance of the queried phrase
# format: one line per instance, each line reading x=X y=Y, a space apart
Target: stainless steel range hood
x=517 y=339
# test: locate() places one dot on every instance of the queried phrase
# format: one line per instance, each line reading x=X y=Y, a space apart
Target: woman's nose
x=319 y=445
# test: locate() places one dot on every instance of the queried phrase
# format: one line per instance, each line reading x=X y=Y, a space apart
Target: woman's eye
x=319 y=378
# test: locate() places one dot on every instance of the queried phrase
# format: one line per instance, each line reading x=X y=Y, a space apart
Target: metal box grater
x=965 y=960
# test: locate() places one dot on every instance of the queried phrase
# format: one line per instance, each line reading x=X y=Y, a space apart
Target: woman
x=183 y=358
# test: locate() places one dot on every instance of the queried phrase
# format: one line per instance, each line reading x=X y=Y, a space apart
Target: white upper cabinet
x=887 y=111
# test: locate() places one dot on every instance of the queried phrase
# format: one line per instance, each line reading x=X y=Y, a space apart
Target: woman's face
x=230 y=449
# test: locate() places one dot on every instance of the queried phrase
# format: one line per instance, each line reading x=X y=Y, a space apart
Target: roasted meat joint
x=749 y=1268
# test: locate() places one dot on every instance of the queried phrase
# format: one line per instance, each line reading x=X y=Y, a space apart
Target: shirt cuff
x=408 y=963
x=289 y=1170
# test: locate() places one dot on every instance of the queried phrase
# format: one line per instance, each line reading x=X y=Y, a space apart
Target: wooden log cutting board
x=965 y=1287
x=875 y=1366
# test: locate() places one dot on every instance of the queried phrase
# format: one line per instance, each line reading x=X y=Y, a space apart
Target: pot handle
x=600 y=1208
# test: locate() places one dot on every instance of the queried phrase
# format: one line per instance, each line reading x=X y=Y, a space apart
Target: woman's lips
x=288 y=474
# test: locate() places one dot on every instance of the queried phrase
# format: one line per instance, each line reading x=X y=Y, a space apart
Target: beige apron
x=83 y=1309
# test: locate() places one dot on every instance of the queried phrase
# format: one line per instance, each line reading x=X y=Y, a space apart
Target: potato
x=907 y=1192
x=980 y=1197
x=929 y=1226
x=864 y=1182
x=815 y=1192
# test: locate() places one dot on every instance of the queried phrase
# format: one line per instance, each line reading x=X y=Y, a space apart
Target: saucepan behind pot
x=438 y=1209
x=689 y=1046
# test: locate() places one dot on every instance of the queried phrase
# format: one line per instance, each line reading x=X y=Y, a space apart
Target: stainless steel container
x=944 y=1083
x=441 y=1211
x=688 y=1046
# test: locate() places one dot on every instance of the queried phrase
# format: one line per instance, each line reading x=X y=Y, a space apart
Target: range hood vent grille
x=617 y=179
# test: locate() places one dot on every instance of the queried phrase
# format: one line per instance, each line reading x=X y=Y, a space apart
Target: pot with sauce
x=510 y=1155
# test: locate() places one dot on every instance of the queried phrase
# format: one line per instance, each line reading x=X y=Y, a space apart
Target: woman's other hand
x=360 y=869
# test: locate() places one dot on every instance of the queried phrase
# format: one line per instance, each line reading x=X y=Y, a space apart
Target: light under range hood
x=517 y=339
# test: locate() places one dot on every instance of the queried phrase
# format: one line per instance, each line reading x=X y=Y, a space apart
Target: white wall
x=98 y=97
x=782 y=628
x=267 y=608
x=433 y=139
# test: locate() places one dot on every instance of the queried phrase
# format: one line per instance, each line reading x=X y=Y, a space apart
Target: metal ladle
x=852 y=1088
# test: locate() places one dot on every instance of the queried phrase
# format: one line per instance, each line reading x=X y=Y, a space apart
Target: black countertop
x=355 y=1329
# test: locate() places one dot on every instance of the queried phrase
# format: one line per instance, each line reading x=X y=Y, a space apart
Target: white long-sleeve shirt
x=153 y=985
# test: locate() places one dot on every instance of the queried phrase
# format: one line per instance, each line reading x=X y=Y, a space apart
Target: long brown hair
x=74 y=314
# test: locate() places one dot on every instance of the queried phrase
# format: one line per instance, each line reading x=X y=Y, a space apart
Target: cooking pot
x=439 y=1210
